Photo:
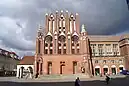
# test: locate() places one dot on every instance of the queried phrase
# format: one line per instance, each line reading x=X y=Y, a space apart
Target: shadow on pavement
x=113 y=82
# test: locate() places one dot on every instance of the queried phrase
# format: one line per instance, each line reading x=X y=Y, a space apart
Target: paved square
x=97 y=81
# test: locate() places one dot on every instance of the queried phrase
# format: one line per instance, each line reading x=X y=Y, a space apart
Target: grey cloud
x=100 y=16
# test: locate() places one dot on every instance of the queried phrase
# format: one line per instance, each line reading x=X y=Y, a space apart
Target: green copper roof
x=83 y=29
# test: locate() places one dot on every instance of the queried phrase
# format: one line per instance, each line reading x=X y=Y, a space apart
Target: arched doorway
x=74 y=67
x=105 y=69
x=62 y=65
x=121 y=67
x=97 y=70
x=113 y=70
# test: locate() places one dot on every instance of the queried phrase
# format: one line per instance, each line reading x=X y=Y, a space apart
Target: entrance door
x=74 y=67
x=62 y=65
x=97 y=71
x=49 y=67
x=37 y=67
x=105 y=70
x=113 y=71
x=120 y=68
x=61 y=69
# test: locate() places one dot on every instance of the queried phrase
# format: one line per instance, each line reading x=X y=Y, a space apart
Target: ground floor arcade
x=112 y=70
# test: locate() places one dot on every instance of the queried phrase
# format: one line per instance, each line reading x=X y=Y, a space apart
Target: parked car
x=124 y=72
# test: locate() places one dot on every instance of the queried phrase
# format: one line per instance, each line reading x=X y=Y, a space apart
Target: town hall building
x=66 y=48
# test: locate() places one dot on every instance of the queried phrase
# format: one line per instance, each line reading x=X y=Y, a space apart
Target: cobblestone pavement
x=97 y=81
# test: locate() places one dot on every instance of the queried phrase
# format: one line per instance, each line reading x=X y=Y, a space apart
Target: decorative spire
x=83 y=28
x=76 y=13
x=46 y=14
x=66 y=11
x=40 y=28
x=61 y=11
x=40 y=33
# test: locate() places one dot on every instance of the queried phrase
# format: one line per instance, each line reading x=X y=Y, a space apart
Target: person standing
x=77 y=82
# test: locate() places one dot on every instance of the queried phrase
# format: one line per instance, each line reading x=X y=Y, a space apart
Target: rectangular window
x=108 y=49
x=112 y=61
x=115 y=49
x=96 y=61
x=100 y=49
x=93 y=49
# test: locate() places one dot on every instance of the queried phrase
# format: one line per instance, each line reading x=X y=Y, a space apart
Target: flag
x=127 y=3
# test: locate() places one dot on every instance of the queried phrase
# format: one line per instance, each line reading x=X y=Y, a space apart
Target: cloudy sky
x=19 y=19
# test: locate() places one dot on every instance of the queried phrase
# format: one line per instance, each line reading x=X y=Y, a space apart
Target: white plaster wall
x=25 y=67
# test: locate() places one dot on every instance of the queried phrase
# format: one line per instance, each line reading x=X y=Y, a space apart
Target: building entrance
x=113 y=71
x=74 y=67
x=105 y=70
x=97 y=71
x=62 y=66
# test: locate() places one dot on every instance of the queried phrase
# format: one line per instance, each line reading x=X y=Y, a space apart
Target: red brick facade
x=63 y=49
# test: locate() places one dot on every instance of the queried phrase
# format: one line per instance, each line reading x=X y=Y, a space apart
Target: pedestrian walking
x=77 y=82
x=107 y=79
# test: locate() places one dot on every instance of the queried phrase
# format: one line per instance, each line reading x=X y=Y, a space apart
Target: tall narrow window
x=63 y=23
x=100 y=49
x=50 y=23
x=108 y=49
x=71 y=26
x=68 y=45
x=39 y=43
x=53 y=26
x=115 y=49
x=74 y=26
x=93 y=49
x=60 y=23
x=55 y=46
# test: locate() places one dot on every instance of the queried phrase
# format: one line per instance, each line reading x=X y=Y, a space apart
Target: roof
x=103 y=38
x=3 y=50
x=27 y=60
